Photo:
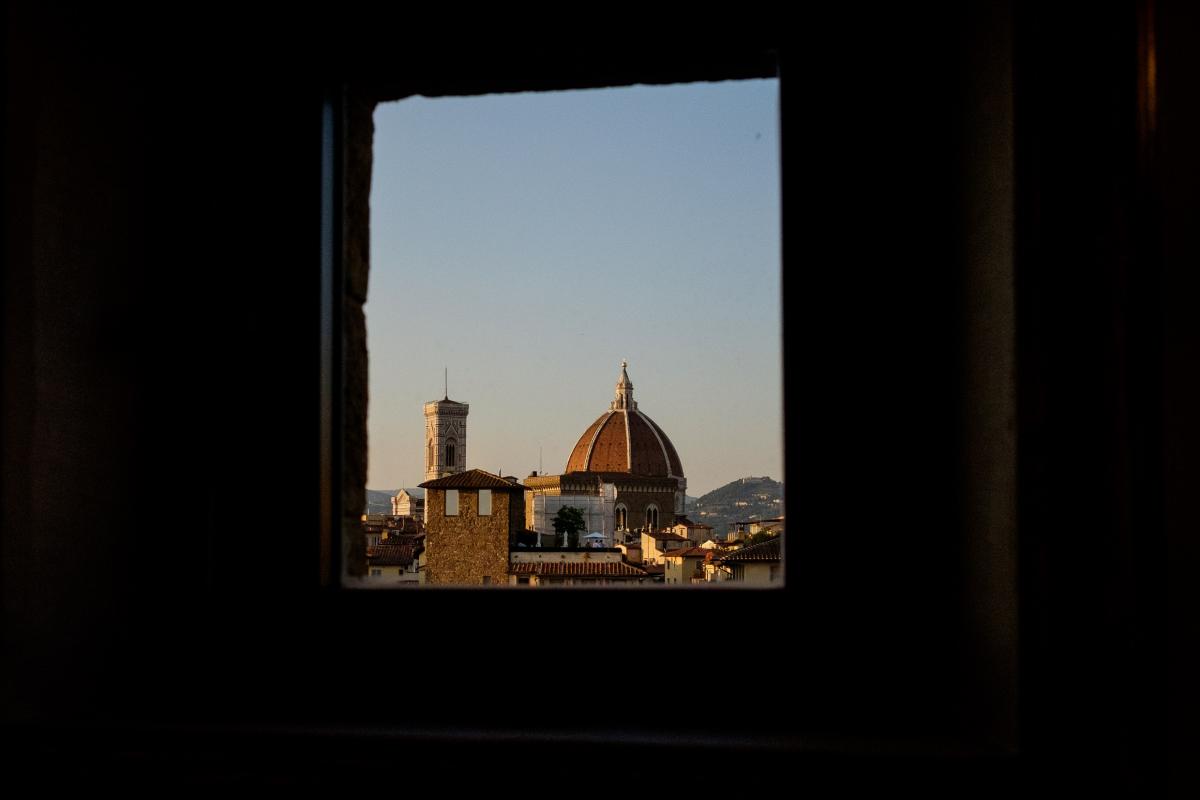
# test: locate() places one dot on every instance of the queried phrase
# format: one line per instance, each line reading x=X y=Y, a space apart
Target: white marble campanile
x=445 y=438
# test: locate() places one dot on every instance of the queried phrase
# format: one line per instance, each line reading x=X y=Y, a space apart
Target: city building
x=385 y=529
x=755 y=565
x=573 y=566
x=772 y=526
x=684 y=565
x=655 y=544
x=623 y=474
x=445 y=438
x=399 y=563
x=410 y=502
x=472 y=520
x=695 y=532
x=373 y=527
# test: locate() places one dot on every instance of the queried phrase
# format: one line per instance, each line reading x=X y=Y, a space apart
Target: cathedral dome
x=624 y=439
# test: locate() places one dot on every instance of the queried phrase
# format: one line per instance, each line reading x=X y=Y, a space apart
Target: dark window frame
x=353 y=104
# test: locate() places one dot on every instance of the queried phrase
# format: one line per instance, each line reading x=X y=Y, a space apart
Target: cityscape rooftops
x=578 y=569
x=763 y=551
x=690 y=552
x=392 y=555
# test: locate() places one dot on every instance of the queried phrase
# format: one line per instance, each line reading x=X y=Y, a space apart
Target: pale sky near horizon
x=529 y=242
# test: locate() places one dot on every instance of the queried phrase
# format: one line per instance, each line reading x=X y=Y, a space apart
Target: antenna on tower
x=446 y=385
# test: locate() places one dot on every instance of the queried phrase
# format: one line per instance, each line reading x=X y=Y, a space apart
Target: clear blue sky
x=529 y=242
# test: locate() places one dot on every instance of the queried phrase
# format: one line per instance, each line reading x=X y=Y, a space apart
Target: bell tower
x=445 y=437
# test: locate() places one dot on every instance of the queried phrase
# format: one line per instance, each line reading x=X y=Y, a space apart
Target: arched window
x=622 y=517
x=450 y=462
x=652 y=516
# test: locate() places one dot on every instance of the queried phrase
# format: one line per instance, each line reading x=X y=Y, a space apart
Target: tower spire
x=624 y=393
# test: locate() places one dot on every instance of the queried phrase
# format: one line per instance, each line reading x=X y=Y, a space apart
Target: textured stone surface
x=462 y=549
x=356 y=238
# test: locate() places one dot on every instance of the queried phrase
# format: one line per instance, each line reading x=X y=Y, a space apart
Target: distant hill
x=738 y=501
x=379 y=501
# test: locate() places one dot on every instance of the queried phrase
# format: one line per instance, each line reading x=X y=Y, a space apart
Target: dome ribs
x=623 y=440
x=647 y=455
x=578 y=462
x=676 y=466
x=608 y=452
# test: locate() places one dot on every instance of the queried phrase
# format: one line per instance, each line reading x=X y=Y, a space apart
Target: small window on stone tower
x=595 y=276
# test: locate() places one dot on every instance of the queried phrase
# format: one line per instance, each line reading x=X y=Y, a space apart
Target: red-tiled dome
x=624 y=439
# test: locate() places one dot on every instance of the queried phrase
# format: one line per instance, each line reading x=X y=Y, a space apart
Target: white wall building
x=596 y=507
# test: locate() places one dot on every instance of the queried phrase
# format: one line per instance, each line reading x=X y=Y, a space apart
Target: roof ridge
x=654 y=429
x=753 y=549
x=628 y=442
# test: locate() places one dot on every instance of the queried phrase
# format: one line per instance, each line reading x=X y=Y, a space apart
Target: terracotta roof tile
x=392 y=555
x=646 y=450
x=673 y=457
x=473 y=479
x=763 y=551
x=579 y=569
x=690 y=552
x=667 y=536
x=578 y=461
x=625 y=441
x=609 y=451
x=409 y=539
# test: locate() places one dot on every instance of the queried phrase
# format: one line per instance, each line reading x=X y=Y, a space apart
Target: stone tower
x=445 y=438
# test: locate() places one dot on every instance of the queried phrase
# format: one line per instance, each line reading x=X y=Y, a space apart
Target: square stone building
x=472 y=520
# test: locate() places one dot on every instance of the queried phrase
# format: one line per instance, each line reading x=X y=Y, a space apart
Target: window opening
x=533 y=247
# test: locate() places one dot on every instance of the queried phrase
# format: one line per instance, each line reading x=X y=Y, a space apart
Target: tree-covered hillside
x=742 y=500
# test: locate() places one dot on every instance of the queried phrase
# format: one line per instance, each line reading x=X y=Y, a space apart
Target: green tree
x=569 y=520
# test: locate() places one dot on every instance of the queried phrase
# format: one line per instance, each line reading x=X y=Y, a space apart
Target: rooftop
x=667 y=536
x=763 y=551
x=624 y=440
x=690 y=552
x=577 y=569
x=473 y=479
x=392 y=555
